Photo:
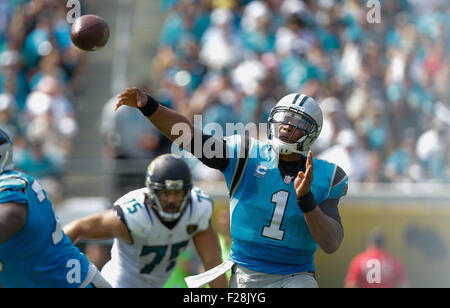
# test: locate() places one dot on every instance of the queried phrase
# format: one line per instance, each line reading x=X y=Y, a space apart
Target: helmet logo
x=174 y=184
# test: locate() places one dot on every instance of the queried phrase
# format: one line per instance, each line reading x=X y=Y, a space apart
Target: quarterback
x=283 y=202
x=151 y=226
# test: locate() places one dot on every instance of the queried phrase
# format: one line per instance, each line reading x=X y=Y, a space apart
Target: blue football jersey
x=40 y=255
x=268 y=228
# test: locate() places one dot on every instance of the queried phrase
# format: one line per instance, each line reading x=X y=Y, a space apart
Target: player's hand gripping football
x=132 y=97
x=302 y=183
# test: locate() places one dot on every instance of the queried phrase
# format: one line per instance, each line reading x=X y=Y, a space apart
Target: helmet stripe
x=303 y=100
x=295 y=99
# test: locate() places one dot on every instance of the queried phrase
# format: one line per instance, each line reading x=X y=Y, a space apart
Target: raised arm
x=12 y=219
x=165 y=120
x=326 y=230
x=174 y=125
x=104 y=225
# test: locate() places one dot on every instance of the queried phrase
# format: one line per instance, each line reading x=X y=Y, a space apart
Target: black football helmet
x=168 y=172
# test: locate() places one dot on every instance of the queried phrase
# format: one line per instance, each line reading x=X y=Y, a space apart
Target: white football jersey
x=148 y=261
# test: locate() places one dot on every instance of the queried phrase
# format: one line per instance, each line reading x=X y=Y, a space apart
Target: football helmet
x=299 y=112
x=6 y=152
x=168 y=172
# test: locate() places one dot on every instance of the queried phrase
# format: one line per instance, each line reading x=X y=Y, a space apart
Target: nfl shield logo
x=288 y=179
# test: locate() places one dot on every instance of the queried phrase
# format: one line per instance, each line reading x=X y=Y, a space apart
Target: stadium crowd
x=40 y=72
x=382 y=86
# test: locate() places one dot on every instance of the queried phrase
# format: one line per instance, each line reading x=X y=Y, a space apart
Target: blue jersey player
x=34 y=251
x=283 y=202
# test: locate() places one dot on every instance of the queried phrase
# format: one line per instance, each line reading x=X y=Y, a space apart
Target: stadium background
x=390 y=81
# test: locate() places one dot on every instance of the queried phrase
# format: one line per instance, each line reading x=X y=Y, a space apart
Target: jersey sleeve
x=218 y=147
x=339 y=184
x=131 y=213
x=13 y=190
x=238 y=149
x=232 y=144
x=204 y=206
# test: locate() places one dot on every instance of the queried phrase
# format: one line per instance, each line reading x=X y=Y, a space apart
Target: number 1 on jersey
x=274 y=231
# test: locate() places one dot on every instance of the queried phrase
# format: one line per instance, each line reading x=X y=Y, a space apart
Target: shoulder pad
x=134 y=212
x=339 y=185
x=202 y=208
x=13 y=183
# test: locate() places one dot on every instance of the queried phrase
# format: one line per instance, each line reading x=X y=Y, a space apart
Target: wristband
x=307 y=203
x=151 y=106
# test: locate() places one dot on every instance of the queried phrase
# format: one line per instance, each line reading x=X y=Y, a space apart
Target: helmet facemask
x=167 y=176
x=170 y=186
x=292 y=120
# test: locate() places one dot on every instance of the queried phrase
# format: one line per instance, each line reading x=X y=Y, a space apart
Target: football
x=89 y=32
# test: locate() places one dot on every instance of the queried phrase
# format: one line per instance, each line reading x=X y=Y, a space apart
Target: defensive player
x=34 y=252
x=283 y=201
x=151 y=226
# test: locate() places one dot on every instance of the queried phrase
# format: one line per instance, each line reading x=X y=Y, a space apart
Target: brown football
x=89 y=32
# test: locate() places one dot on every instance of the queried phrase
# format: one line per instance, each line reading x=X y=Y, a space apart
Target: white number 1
x=280 y=199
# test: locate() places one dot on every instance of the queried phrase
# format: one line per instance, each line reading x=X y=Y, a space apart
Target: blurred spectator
x=220 y=44
x=432 y=150
x=39 y=72
x=349 y=154
x=333 y=123
x=36 y=162
x=131 y=142
x=8 y=110
x=402 y=164
x=375 y=268
x=232 y=60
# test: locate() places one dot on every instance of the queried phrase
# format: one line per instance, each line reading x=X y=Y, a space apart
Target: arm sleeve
x=339 y=185
x=120 y=215
x=338 y=189
x=218 y=147
x=330 y=208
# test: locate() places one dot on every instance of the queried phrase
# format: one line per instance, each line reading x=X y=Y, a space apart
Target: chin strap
x=284 y=148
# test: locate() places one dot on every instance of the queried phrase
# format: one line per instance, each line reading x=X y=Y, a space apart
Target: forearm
x=221 y=281
x=73 y=231
x=172 y=124
x=208 y=248
x=325 y=230
x=78 y=230
x=89 y=228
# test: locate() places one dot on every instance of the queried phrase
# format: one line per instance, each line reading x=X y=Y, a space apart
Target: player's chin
x=171 y=210
x=284 y=139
